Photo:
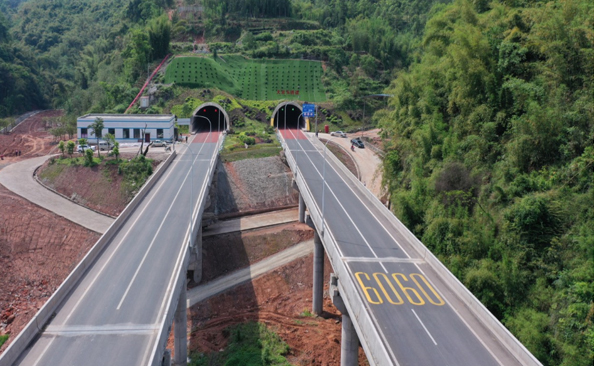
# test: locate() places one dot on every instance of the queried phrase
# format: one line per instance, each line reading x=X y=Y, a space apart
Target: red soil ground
x=38 y=250
x=31 y=137
x=277 y=299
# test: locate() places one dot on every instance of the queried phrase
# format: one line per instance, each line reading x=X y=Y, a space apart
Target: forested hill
x=55 y=50
x=491 y=163
x=489 y=135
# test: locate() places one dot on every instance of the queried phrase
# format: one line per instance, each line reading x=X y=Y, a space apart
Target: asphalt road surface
x=405 y=298
x=112 y=316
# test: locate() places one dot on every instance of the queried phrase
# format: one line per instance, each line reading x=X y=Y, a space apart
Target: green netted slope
x=251 y=79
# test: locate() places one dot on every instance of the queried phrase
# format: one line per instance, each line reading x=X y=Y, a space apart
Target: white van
x=105 y=146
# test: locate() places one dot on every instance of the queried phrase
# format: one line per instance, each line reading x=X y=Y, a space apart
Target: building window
x=84 y=133
x=159 y=133
x=137 y=133
x=111 y=131
x=126 y=133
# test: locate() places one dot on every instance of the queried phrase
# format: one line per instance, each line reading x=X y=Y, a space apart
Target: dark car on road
x=357 y=142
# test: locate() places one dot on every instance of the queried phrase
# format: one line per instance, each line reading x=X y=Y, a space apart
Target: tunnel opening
x=289 y=116
x=209 y=116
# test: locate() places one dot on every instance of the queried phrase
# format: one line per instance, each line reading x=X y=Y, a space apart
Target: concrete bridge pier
x=196 y=256
x=318 y=276
x=349 y=343
x=301 y=209
x=180 y=330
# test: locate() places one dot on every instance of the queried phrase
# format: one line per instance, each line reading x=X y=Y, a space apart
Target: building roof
x=129 y=117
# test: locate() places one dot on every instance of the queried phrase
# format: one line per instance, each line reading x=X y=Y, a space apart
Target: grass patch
x=307 y=313
x=253 y=152
x=3 y=339
x=250 y=344
x=255 y=79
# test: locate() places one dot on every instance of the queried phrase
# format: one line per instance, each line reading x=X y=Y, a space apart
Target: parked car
x=357 y=142
x=338 y=133
x=105 y=145
x=158 y=143
x=82 y=148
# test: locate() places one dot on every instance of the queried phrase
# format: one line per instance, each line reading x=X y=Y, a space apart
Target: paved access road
x=112 y=317
x=411 y=307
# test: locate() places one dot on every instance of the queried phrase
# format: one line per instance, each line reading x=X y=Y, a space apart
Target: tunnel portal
x=218 y=117
x=294 y=118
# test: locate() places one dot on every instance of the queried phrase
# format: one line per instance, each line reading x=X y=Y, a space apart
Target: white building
x=129 y=127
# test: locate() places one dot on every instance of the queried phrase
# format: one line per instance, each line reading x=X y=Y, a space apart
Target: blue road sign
x=309 y=110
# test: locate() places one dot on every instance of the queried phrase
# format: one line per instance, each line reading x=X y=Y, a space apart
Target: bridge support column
x=349 y=345
x=301 y=208
x=318 y=275
x=196 y=256
x=180 y=330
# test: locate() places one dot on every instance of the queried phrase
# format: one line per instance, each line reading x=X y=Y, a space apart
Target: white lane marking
x=181 y=187
x=368 y=209
x=75 y=331
x=120 y=243
x=44 y=351
x=424 y=327
x=383 y=259
x=340 y=203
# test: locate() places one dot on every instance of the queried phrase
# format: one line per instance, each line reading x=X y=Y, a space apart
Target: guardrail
x=17 y=121
x=516 y=348
x=38 y=322
x=183 y=261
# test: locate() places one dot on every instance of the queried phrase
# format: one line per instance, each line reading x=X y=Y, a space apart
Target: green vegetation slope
x=490 y=162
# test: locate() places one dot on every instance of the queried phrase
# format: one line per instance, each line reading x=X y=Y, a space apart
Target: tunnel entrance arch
x=215 y=113
x=294 y=116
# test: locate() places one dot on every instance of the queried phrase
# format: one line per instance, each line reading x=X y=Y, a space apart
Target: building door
x=147 y=137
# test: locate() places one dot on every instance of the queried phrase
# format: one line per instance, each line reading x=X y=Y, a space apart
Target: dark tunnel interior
x=294 y=118
x=200 y=121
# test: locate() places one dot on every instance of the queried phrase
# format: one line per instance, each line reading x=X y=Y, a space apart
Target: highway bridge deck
x=115 y=314
x=419 y=320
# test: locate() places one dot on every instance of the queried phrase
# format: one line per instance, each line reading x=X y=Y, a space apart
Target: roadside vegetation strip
x=343 y=155
x=255 y=79
x=249 y=344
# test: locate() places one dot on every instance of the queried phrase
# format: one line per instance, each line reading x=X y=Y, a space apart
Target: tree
x=111 y=139
x=61 y=147
x=89 y=157
x=82 y=141
x=70 y=145
x=97 y=128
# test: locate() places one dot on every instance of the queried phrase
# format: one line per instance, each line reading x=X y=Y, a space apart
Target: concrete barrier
x=505 y=337
x=38 y=322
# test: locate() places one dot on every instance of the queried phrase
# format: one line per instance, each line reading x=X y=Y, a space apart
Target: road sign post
x=309 y=110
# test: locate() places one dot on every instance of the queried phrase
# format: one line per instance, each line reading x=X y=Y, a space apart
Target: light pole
x=324 y=185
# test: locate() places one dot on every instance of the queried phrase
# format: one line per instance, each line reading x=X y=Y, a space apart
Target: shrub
x=89 y=158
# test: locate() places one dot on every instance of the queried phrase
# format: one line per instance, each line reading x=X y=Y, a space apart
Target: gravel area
x=238 y=189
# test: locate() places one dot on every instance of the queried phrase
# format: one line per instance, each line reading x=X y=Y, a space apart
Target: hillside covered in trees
x=489 y=134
